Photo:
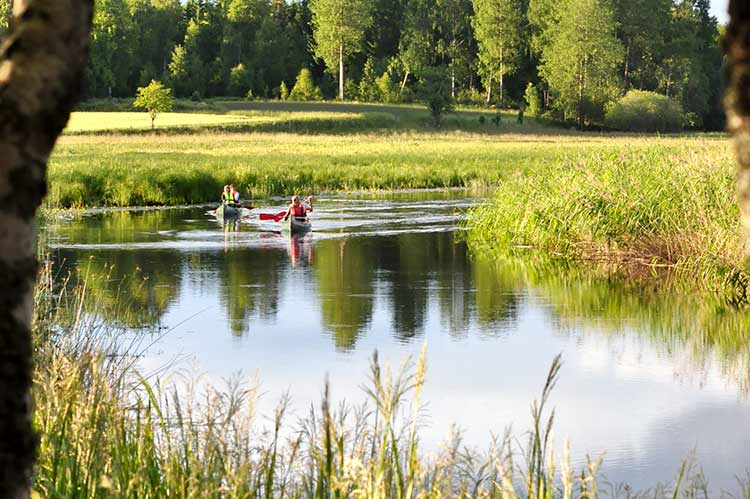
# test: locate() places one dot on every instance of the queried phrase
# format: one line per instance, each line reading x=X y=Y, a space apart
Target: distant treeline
x=566 y=58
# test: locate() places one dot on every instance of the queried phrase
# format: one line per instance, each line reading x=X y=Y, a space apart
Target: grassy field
x=113 y=159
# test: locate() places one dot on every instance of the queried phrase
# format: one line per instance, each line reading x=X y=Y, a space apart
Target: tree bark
x=737 y=101
x=341 y=73
x=403 y=83
x=489 y=91
x=41 y=69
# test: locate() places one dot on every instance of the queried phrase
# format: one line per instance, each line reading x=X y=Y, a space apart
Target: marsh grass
x=668 y=214
x=108 y=431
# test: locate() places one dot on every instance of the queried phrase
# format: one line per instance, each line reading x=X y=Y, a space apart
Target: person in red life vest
x=299 y=209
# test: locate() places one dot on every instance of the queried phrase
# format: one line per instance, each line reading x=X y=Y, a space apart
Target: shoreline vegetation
x=108 y=431
x=644 y=213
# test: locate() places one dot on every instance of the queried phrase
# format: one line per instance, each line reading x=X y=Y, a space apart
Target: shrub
x=368 y=88
x=641 y=111
x=533 y=102
x=239 y=80
x=470 y=97
x=283 y=91
x=195 y=96
x=386 y=88
x=435 y=91
x=305 y=88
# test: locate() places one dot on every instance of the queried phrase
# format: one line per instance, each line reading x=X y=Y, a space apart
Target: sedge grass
x=106 y=431
x=643 y=209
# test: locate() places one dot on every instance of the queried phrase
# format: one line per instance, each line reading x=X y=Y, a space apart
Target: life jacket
x=227 y=196
x=299 y=210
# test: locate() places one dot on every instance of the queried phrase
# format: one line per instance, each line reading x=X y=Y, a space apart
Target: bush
x=470 y=97
x=305 y=88
x=239 y=80
x=641 y=111
x=386 y=88
x=435 y=91
x=195 y=96
x=533 y=102
x=283 y=91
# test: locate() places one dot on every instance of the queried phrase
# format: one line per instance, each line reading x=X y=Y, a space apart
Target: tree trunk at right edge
x=42 y=60
x=737 y=102
x=341 y=73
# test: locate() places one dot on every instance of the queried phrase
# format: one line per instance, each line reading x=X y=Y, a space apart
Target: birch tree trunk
x=41 y=69
x=737 y=101
x=341 y=72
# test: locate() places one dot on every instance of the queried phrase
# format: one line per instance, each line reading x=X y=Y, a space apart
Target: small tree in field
x=155 y=98
x=435 y=91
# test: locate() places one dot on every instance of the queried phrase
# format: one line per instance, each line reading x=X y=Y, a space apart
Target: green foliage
x=417 y=43
x=640 y=111
x=339 y=28
x=239 y=80
x=283 y=91
x=580 y=63
x=497 y=26
x=367 y=88
x=155 y=98
x=304 y=88
x=6 y=13
x=533 y=101
x=435 y=91
x=387 y=90
x=673 y=208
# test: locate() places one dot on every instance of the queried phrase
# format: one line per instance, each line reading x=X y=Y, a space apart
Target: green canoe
x=227 y=211
x=296 y=225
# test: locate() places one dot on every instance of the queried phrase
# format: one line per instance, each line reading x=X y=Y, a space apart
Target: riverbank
x=666 y=215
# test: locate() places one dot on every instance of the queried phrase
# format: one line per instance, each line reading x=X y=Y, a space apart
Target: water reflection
x=380 y=274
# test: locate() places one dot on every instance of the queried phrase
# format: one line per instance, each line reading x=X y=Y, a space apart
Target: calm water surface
x=392 y=273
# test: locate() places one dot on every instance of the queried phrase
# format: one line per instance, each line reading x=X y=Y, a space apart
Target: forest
x=568 y=60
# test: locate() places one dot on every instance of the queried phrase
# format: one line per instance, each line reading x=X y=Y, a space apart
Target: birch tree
x=339 y=29
x=497 y=28
x=42 y=63
x=581 y=61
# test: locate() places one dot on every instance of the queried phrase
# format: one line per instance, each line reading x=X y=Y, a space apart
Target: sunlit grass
x=114 y=170
x=644 y=209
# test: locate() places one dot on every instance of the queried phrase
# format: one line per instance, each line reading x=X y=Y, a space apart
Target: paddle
x=270 y=216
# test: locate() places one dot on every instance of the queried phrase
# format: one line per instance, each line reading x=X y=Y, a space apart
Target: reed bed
x=648 y=210
x=109 y=431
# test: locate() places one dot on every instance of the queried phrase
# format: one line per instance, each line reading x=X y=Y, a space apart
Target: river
x=392 y=273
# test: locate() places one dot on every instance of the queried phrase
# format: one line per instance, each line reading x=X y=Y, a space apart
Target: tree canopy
x=242 y=48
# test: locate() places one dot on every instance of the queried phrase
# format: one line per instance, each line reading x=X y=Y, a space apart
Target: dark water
x=646 y=379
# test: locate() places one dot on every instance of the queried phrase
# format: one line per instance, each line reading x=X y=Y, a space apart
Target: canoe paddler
x=226 y=195
x=298 y=209
x=235 y=194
